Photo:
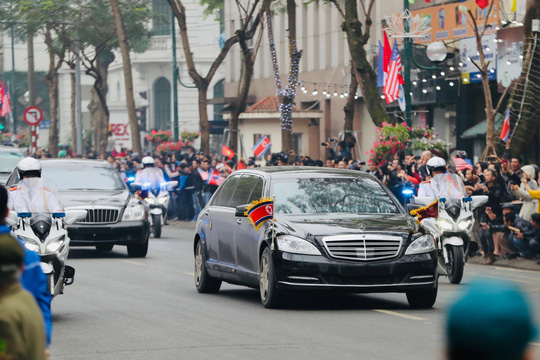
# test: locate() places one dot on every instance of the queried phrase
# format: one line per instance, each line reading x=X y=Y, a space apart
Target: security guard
x=149 y=174
x=30 y=195
x=22 y=334
x=442 y=184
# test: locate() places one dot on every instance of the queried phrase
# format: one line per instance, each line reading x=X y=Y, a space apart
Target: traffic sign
x=33 y=115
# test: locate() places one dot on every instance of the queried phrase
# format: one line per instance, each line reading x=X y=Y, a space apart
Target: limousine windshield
x=331 y=195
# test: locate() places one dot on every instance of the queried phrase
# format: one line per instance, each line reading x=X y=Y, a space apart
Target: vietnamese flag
x=482 y=3
x=240 y=165
x=226 y=151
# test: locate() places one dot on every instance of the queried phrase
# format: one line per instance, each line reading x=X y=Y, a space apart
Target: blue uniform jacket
x=35 y=282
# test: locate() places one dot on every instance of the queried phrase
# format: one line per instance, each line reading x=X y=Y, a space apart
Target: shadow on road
x=322 y=300
x=92 y=253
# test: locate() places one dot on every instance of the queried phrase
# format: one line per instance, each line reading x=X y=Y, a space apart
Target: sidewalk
x=514 y=263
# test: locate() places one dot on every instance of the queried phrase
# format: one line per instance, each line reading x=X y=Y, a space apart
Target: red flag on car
x=432 y=210
x=260 y=211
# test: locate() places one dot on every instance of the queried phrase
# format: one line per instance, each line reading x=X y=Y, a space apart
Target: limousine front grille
x=363 y=247
x=101 y=216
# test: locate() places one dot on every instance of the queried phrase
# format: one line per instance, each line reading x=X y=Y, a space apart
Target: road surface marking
x=190 y=274
x=410 y=317
x=133 y=262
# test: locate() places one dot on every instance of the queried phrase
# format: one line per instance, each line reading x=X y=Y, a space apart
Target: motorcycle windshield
x=38 y=195
x=41 y=224
x=448 y=186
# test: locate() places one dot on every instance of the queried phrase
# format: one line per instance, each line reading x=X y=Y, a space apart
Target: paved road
x=122 y=308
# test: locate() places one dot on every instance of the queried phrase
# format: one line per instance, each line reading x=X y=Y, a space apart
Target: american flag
x=391 y=86
x=461 y=164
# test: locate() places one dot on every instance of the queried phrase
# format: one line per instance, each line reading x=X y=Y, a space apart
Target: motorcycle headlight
x=133 y=213
x=464 y=224
x=30 y=244
x=445 y=224
x=423 y=244
x=150 y=201
x=55 y=244
x=295 y=245
x=162 y=200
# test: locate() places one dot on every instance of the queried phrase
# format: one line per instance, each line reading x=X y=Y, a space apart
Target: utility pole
x=407 y=60
x=13 y=95
x=175 y=78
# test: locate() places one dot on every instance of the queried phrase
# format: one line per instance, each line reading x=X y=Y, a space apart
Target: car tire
x=156 y=224
x=204 y=283
x=104 y=247
x=271 y=297
x=422 y=299
x=138 y=249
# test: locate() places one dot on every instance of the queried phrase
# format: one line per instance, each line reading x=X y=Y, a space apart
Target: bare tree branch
x=503 y=96
x=338 y=7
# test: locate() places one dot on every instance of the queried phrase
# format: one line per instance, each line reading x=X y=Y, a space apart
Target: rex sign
x=121 y=135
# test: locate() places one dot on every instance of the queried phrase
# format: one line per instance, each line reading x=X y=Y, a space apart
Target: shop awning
x=479 y=130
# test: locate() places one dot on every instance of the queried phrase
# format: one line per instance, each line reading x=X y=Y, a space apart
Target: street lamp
x=436 y=51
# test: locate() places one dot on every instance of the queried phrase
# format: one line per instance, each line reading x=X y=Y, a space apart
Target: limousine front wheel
x=204 y=282
x=270 y=295
x=422 y=299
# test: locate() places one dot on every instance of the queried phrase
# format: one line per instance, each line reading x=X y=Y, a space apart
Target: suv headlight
x=423 y=244
x=134 y=213
x=55 y=244
x=464 y=224
x=295 y=245
x=30 y=244
x=445 y=224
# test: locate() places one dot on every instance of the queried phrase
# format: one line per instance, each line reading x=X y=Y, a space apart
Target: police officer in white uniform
x=441 y=183
x=149 y=174
x=30 y=195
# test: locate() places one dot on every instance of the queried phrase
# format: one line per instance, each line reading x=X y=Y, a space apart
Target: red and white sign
x=33 y=115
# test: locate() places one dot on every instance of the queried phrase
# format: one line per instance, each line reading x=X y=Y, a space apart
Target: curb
x=514 y=263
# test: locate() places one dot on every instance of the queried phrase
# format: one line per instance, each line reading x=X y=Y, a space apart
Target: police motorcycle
x=453 y=227
x=46 y=234
x=157 y=198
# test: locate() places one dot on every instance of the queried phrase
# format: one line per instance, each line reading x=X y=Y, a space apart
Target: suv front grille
x=363 y=247
x=101 y=216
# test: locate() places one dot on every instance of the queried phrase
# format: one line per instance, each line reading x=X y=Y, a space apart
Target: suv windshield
x=331 y=195
x=9 y=160
x=84 y=178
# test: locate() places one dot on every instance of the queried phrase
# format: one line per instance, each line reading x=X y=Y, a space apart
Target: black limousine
x=332 y=229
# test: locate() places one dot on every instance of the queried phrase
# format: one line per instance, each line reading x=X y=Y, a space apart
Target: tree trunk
x=128 y=78
x=527 y=127
x=51 y=78
x=73 y=114
x=203 y=118
x=349 y=106
x=366 y=76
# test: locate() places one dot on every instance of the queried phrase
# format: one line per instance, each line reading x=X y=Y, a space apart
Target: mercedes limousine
x=333 y=229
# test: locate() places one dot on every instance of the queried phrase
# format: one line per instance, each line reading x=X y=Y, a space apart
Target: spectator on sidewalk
x=528 y=242
x=530 y=205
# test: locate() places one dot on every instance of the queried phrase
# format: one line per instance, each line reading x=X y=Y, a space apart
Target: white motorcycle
x=454 y=224
x=46 y=234
x=157 y=198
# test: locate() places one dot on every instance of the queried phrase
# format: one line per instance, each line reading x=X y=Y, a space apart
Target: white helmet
x=29 y=164
x=148 y=161
x=436 y=164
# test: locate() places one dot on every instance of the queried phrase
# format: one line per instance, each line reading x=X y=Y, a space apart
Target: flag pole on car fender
x=273 y=246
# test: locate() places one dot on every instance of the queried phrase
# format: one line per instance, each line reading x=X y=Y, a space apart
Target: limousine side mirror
x=240 y=210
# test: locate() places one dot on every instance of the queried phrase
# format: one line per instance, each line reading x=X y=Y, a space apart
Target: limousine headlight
x=423 y=244
x=295 y=245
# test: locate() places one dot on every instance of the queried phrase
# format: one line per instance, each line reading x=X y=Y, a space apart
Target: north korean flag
x=262 y=211
x=262 y=146
x=505 y=132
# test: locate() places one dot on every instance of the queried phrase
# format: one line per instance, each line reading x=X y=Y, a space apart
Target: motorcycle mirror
x=74 y=215
x=134 y=187
x=430 y=224
x=11 y=218
x=479 y=200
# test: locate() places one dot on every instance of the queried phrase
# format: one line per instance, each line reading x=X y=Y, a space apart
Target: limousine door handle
x=239 y=221
x=206 y=213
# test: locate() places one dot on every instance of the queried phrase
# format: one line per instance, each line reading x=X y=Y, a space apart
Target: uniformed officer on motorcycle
x=149 y=173
x=30 y=195
x=441 y=184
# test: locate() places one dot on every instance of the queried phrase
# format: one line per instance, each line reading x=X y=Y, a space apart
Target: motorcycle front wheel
x=455 y=264
x=156 y=226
